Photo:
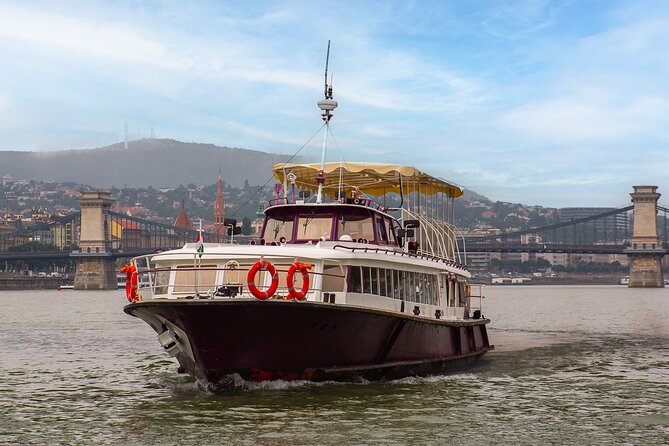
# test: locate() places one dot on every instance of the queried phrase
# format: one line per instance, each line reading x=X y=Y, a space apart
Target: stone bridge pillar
x=95 y=266
x=646 y=251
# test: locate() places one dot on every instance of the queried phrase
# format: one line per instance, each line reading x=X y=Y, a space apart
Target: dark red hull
x=316 y=341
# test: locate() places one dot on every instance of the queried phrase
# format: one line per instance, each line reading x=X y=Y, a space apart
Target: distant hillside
x=151 y=162
x=147 y=162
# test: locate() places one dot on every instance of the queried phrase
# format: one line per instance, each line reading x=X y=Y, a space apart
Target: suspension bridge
x=96 y=236
x=608 y=232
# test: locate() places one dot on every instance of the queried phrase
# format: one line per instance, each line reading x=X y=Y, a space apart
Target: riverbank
x=566 y=279
x=33 y=283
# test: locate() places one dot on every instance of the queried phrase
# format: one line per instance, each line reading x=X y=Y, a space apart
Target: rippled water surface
x=572 y=365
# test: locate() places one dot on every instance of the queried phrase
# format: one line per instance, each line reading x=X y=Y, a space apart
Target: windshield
x=276 y=229
x=357 y=225
x=314 y=227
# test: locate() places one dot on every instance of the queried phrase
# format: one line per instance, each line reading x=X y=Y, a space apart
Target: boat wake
x=432 y=379
x=235 y=383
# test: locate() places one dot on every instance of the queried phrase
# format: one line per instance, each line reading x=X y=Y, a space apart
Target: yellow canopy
x=374 y=179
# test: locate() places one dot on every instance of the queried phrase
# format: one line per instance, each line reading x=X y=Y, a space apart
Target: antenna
x=330 y=86
x=327 y=61
x=326 y=105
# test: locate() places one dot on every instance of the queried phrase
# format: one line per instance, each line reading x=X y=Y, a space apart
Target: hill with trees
x=147 y=162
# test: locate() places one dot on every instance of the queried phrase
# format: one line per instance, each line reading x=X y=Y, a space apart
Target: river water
x=572 y=365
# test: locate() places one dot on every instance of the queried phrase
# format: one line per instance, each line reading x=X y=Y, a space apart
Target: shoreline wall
x=33 y=283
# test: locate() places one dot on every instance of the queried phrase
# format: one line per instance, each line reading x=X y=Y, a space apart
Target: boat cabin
x=344 y=222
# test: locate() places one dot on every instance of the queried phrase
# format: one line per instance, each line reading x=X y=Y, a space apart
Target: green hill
x=147 y=162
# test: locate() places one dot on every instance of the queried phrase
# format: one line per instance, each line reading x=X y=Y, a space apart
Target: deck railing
x=475 y=298
x=206 y=282
x=437 y=238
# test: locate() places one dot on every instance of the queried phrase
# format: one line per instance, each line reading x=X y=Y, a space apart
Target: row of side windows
x=408 y=285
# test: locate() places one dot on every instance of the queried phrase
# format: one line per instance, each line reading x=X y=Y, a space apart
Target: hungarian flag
x=199 y=244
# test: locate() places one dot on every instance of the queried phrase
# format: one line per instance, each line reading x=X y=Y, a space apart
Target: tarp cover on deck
x=374 y=179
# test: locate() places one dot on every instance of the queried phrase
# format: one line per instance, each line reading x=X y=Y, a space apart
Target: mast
x=327 y=105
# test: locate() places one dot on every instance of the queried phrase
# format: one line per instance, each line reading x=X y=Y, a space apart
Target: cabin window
x=383 y=290
x=420 y=288
x=434 y=280
x=357 y=225
x=405 y=291
x=366 y=280
x=389 y=230
x=375 y=280
x=461 y=293
x=443 y=290
x=381 y=234
x=410 y=287
x=413 y=287
x=162 y=280
x=389 y=282
x=425 y=289
x=314 y=227
x=397 y=285
x=333 y=279
x=451 y=293
x=186 y=278
x=354 y=280
x=278 y=228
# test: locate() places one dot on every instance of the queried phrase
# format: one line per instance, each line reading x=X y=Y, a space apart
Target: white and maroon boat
x=339 y=286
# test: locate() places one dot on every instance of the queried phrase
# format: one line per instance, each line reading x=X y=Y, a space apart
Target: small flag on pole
x=199 y=244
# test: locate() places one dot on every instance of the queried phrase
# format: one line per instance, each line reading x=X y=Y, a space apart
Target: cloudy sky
x=560 y=103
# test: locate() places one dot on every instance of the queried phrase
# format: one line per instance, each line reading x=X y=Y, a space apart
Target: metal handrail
x=445 y=233
x=150 y=274
x=421 y=256
x=472 y=297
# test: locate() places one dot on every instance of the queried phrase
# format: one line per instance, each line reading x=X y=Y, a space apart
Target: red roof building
x=182 y=220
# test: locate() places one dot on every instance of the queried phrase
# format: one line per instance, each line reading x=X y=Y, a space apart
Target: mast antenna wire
x=272 y=176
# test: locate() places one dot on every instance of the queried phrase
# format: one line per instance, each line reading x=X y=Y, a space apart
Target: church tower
x=219 y=208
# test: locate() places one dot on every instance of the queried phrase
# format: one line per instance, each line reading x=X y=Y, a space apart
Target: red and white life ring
x=303 y=268
x=262 y=265
x=130 y=283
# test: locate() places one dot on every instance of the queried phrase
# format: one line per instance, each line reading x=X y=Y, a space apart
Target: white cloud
x=516 y=19
x=91 y=38
x=586 y=118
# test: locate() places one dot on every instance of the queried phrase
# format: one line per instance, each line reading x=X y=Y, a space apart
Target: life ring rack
x=262 y=265
x=303 y=268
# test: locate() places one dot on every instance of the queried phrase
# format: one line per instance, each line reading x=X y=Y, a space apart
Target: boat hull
x=262 y=340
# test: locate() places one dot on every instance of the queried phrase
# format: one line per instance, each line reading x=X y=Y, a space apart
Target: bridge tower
x=95 y=266
x=646 y=251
